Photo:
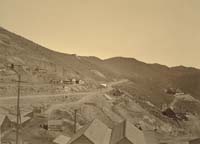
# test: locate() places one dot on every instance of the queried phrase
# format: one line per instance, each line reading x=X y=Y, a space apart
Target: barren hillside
x=147 y=80
x=140 y=97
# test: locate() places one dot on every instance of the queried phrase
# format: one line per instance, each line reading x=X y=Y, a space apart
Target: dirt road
x=108 y=88
x=55 y=95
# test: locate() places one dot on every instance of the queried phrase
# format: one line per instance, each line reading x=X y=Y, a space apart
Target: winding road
x=108 y=88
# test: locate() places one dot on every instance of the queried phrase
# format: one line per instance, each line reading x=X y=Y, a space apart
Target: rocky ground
x=110 y=105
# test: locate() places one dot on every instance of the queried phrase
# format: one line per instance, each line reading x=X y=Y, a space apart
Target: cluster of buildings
x=68 y=81
x=174 y=91
x=96 y=132
x=176 y=116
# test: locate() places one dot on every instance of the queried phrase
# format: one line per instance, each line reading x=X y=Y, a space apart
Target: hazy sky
x=153 y=31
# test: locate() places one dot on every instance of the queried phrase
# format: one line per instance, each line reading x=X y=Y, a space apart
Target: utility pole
x=0 y=136
x=18 y=110
x=75 y=120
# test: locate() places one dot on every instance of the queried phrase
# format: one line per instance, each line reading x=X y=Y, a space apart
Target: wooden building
x=24 y=120
x=5 y=125
x=95 y=132
x=55 y=125
x=127 y=133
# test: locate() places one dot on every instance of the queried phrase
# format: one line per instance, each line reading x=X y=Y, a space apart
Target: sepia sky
x=153 y=31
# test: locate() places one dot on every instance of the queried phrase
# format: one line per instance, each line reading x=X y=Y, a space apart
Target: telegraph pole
x=18 y=126
x=18 y=109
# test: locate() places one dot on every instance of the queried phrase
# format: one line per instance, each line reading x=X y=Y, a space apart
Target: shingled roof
x=126 y=130
x=96 y=132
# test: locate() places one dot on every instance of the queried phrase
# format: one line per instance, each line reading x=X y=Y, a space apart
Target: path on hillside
x=85 y=99
x=56 y=95
x=67 y=94
x=186 y=97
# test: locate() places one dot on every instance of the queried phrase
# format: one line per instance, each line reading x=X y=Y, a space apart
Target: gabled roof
x=127 y=130
x=61 y=139
x=195 y=141
x=24 y=119
x=79 y=133
x=96 y=131
x=25 y=114
x=118 y=133
x=2 y=118
x=13 y=119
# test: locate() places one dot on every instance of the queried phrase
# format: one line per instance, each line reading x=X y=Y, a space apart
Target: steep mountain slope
x=187 y=79
x=146 y=80
x=157 y=77
x=15 y=49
